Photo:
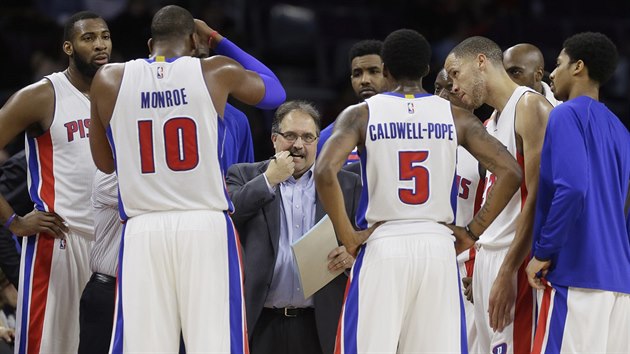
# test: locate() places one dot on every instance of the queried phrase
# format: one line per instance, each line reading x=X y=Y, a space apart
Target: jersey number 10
x=181 y=149
x=409 y=169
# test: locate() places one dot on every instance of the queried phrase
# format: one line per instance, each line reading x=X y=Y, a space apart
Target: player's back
x=409 y=160
x=166 y=136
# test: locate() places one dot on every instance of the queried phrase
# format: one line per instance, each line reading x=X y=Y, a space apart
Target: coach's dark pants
x=275 y=333
x=96 y=316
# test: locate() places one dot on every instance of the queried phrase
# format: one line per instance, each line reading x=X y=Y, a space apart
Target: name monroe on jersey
x=410 y=130
x=163 y=99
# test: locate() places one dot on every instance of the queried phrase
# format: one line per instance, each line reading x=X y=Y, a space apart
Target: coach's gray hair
x=296 y=105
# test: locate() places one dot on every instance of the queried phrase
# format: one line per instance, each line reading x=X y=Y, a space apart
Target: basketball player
x=55 y=112
x=503 y=299
x=525 y=65
x=469 y=196
x=367 y=79
x=171 y=188
x=403 y=294
x=581 y=237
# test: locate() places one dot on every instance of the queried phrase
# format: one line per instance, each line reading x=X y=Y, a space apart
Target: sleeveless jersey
x=165 y=134
x=409 y=160
x=502 y=230
x=60 y=165
x=469 y=190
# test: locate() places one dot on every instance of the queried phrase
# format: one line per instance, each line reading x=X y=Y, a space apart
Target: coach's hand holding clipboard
x=319 y=257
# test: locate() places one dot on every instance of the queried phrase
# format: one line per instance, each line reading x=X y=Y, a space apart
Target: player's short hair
x=596 y=50
x=473 y=46
x=365 y=47
x=406 y=54
x=68 y=28
x=296 y=105
x=172 y=22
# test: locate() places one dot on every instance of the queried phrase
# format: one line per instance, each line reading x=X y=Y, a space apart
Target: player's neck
x=170 y=50
x=409 y=87
x=589 y=89
x=499 y=92
x=78 y=80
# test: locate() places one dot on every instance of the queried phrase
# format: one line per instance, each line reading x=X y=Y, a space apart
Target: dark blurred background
x=306 y=42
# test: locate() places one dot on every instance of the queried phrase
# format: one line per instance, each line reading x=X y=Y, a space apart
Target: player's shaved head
x=473 y=46
x=525 y=64
x=172 y=22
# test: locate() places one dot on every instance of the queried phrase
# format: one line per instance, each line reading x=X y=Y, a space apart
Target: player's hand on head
x=207 y=34
x=501 y=302
x=39 y=222
x=339 y=258
x=280 y=168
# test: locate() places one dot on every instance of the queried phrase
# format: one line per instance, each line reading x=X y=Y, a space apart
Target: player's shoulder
x=110 y=74
x=39 y=94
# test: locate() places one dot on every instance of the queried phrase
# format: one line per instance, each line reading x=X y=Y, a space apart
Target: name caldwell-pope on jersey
x=409 y=130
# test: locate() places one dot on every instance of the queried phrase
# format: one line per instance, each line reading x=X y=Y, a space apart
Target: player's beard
x=86 y=68
x=477 y=94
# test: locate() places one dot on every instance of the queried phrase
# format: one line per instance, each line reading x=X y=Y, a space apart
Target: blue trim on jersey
x=236 y=291
x=221 y=131
x=558 y=320
x=31 y=243
x=33 y=168
x=117 y=346
x=454 y=193
x=364 y=200
x=166 y=60
x=351 y=308
x=463 y=331
x=121 y=206
x=402 y=95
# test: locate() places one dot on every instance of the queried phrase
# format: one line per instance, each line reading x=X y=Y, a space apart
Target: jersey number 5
x=180 y=144
x=409 y=169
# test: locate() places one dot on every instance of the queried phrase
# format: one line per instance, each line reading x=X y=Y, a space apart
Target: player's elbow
x=514 y=174
x=324 y=173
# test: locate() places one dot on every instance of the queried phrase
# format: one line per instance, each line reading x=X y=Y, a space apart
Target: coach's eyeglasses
x=292 y=137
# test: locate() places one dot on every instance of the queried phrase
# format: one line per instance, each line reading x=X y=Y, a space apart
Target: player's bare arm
x=532 y=113
x=349 y=132
x=31 y=110
x=494 y=157
x=104 y=90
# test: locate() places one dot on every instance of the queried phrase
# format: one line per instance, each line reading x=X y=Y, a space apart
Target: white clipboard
x=311 y=256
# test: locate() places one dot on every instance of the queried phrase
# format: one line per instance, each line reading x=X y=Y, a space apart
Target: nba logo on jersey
x=410 y=108
x=62 y=244
x=160 y=72
x=500 y=349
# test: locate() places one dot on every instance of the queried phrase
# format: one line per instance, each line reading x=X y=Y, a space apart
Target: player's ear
x=539 y=74
x=67 y=48
x=150 y=45
x=426 y=70
x=386 y=72
x=580 y=68
x=194 y=39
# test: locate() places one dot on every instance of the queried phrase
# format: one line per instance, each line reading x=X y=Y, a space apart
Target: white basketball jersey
x=164 y=131
x=469 y=192
x=501 y=232
x=409 y=159
x=60 y=165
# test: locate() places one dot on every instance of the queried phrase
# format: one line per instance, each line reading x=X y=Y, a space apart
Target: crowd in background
x=306 y=43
